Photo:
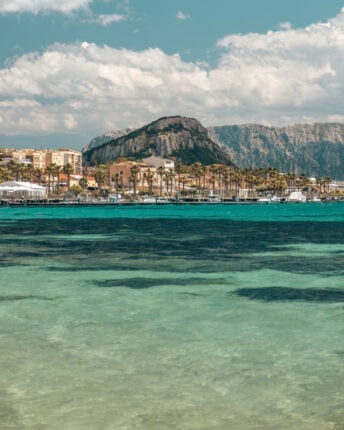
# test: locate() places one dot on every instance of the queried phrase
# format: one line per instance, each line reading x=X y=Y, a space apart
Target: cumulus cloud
x=285 y=26
x=182 y=16
x=281 y=77
x=294 y=70
x=106 y=20
x=36 y=6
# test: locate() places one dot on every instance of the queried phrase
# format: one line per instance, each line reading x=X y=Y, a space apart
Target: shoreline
x=143 y=204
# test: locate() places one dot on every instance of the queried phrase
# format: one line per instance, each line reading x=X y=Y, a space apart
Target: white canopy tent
x=22 y=190
x=297 y=196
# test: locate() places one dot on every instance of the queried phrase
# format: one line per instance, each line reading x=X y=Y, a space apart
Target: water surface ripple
x=178 y=317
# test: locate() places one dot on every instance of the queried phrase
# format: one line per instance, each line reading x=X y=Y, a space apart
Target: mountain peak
x=180 y=138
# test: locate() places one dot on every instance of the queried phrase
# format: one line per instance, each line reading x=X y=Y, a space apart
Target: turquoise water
x=172 y=317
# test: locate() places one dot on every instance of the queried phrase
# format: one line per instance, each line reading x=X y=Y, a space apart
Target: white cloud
x=182 y=16
x=282 y=77
x=285 y=26
x=36 y=6
x=106 y=20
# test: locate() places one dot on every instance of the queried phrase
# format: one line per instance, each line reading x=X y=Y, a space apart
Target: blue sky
x=73 y=69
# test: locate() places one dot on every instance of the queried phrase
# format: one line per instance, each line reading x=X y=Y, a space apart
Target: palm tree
x=57 y=171
x=100 y=177
x=327 y=182
x=196 y=169
x=134 y=171
x=183 y=181
x=12 y=168
x=178 y=169
x=29 y=169
x=212 y=180
x=219 y=172
x=169 y=176
x=237 y=178
x=226 y=181
x=231 y=179
x=5 y=174
x=17 y=169
x=290 y=178
x=161 y=171
x=204 y=171
x=115 y=180
x=50 y=169
x=149 y=178
x=68 y=170
x=38 y=173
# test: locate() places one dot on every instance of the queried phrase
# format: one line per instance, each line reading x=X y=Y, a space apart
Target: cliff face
x=106 y=137
x=317 y=150
x=180 y=138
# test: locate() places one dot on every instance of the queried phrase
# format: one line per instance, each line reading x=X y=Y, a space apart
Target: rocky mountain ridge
x=180 y=138
x=315 y=149
x=106 y=137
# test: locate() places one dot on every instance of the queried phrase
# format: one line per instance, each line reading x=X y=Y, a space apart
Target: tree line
x=184 y=179
x=218 y=179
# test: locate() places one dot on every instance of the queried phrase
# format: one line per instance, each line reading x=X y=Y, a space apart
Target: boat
x=150 y=200
x=213 y=198
x=269 y=199
x=164 y=200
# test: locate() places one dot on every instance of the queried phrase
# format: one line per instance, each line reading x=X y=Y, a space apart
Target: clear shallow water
x=191 y=317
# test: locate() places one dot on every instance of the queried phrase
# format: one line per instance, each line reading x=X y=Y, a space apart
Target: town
x=58 y=176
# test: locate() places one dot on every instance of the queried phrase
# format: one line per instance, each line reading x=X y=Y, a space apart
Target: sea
x=192 y=317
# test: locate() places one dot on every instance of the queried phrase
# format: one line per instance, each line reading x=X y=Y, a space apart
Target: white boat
x=164 y=200
x=213 y=198
x=296 y=197
x=150 y=199
x=269 y=199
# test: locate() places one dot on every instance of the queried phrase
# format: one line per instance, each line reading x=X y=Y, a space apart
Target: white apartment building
x=157 y=162
x=42 y=158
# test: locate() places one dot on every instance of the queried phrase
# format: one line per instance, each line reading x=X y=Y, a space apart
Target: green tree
x=50 y=171
x=68 y=170
x=5 y=174
x=149 y=178
x=29 y=170
x=76 y=189
x=83 y=183
x=56 y=171
x=100 y=177
x=161 y=171
x=38 y=173
x=134 y=171
x=197 y=171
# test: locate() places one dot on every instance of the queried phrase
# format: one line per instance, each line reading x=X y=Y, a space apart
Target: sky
x=74 y=69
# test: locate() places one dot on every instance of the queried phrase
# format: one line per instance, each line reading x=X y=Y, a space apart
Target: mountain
x=317 y=149
x=180 y=138
x=106 y=137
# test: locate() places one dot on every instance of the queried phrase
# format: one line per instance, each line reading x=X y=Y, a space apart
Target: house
x=157 y=162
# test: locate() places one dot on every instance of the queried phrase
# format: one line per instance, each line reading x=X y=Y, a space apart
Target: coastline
x=158 y=203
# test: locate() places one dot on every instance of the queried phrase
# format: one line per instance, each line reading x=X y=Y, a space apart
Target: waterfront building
x=154 y=161
x=123 y=173
x=40 y=159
